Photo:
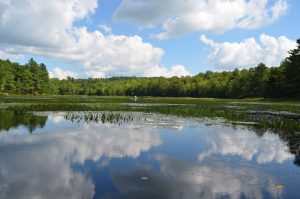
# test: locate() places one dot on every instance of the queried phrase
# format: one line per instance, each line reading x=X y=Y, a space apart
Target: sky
x=105 y=38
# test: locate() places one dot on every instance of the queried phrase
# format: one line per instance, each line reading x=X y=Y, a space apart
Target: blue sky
x=148 y=38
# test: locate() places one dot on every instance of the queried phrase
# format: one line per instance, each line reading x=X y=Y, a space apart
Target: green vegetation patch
x=280 y=115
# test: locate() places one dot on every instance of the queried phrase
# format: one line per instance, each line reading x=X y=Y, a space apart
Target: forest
x=260 y=81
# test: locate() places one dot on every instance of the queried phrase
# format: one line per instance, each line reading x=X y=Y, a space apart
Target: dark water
x=46 y=156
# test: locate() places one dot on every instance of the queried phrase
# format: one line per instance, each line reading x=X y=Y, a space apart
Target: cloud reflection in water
x=245 y=143
x=178 y=179
x=39 y=166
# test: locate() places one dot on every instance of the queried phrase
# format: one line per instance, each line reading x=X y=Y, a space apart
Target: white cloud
x=60 y=74
x=177 y=70
x=47 y=29
x=4 y=56
x=106 y=28
x=32 y=23
x=179 y=17
x=248 y=53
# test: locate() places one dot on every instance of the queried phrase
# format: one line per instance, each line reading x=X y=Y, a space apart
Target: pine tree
x=292 y=72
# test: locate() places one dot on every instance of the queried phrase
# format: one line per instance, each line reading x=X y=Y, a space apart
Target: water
x=43 y=155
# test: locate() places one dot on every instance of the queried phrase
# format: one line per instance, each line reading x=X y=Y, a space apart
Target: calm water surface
x=43 y=155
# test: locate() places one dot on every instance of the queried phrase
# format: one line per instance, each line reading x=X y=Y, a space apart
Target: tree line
x=31 y=78
x=259 y=81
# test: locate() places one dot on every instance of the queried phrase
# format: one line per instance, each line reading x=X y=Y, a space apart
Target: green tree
x=26 y=82
x=7 y=76
x=275 y=86
x=292 y=72
x=258 y=80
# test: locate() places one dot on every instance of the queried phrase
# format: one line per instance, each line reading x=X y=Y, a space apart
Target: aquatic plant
x=103 y=117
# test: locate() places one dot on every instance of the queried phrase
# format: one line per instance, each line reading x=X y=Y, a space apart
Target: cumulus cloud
x=177 y=70
x=248 y=53
x=179 y=17
x=60 y=74
x=106 y=28
x=32 y=23
x=32 y=27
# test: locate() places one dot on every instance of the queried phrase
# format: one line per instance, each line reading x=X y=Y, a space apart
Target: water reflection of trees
x=293 y=142
x=14 y=119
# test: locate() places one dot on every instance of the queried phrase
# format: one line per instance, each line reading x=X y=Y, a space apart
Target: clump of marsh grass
x=88 y=117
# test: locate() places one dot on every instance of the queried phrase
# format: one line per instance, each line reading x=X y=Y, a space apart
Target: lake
x=142 y=155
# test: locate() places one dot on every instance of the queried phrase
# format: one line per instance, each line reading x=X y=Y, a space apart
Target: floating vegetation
x=144 y=178
x=273 y=114
x=88 y=117
x=279 y=186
